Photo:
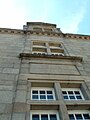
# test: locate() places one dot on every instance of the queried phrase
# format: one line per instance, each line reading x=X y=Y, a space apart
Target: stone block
x=5 y=117
x=7 y=77
x=20 y=96
x=22 y=87
x=6 y=87
x=53 y=69
x=18 y=116
x=5 y=108
x=6 y=96
x=11 y=70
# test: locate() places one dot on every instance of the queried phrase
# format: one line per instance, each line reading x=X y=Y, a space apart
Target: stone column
x=63 y=114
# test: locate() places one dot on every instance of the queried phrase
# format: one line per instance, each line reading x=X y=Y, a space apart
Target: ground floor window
x=42 y=93
x=72 y=94
x=44 y=115
x=79 y=115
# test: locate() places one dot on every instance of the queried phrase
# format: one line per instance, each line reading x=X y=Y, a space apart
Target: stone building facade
x=44 y=74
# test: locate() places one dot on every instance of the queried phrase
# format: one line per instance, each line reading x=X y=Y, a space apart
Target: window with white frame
x=44 y=115
x=41 y=93
x=72 y=94
x=79 y=115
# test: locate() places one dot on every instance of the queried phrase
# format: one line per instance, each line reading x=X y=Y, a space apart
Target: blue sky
x=72 y=16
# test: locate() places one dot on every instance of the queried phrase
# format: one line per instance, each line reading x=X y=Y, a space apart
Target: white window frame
x=62 y=54
x=73 y=89
x=38 y=52
x=45 y=89
x=79 y=112
x=46 y=112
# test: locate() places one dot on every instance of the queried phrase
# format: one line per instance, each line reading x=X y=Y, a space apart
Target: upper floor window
x=47 y=29
x=72 y=94
x=44 y=115
x=37 y=29
x=51 y=48
x=42 y=93
x=79 y=115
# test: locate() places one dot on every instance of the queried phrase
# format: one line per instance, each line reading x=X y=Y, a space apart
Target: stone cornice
x=45 y=33
x=41 y=24
x=29 y=55
x=49 y=33
x=11 y=31
x=77 y=36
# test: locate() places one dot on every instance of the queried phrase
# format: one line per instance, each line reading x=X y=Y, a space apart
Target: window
x=56 y=48
x=36 y=43
x=39 y=50
x=42 y=94
x=44 y=115
x=79 y=115
x=47 y=30
x=39 y=47
x=72 y=94
x=37 y=29
x=51 y=48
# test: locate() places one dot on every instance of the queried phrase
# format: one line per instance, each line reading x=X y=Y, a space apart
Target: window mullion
x=82 y=116
x=46 y=94
x=68 y=95
x=48 y=116
x=74 y=95
x=53 y=94
x=75 y=117
x=39 y=94
x=39 y=116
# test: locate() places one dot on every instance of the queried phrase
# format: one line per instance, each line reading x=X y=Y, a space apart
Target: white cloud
x=72 y=24
x=12 y=16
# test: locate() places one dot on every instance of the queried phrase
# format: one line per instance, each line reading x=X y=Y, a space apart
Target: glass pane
x=65 y=97
x=42 y=92
x=77 y=92
x=43 y=97
x=35 y=117
x=53 y=117
x=71 y=116
x=72 y=97
x=34 y=96
x=44 y=117
x=78 y=116
x=79 y=97
x=64 y=92
x=50 y=97
x=49 y=92
x=86 y=116
x=34 y=92
x=70 y=92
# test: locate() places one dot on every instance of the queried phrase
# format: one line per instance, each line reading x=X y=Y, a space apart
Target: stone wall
x=17 y=75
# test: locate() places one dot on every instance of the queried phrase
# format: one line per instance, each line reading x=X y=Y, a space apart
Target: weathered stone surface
x=5 y=117
x=6 y=96
x=18 y=76
x=18 y=116
x=5 y=108
x=10 y=70
x=20 y=96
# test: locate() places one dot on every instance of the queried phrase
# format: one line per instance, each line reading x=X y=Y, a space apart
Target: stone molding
x=52 y=56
